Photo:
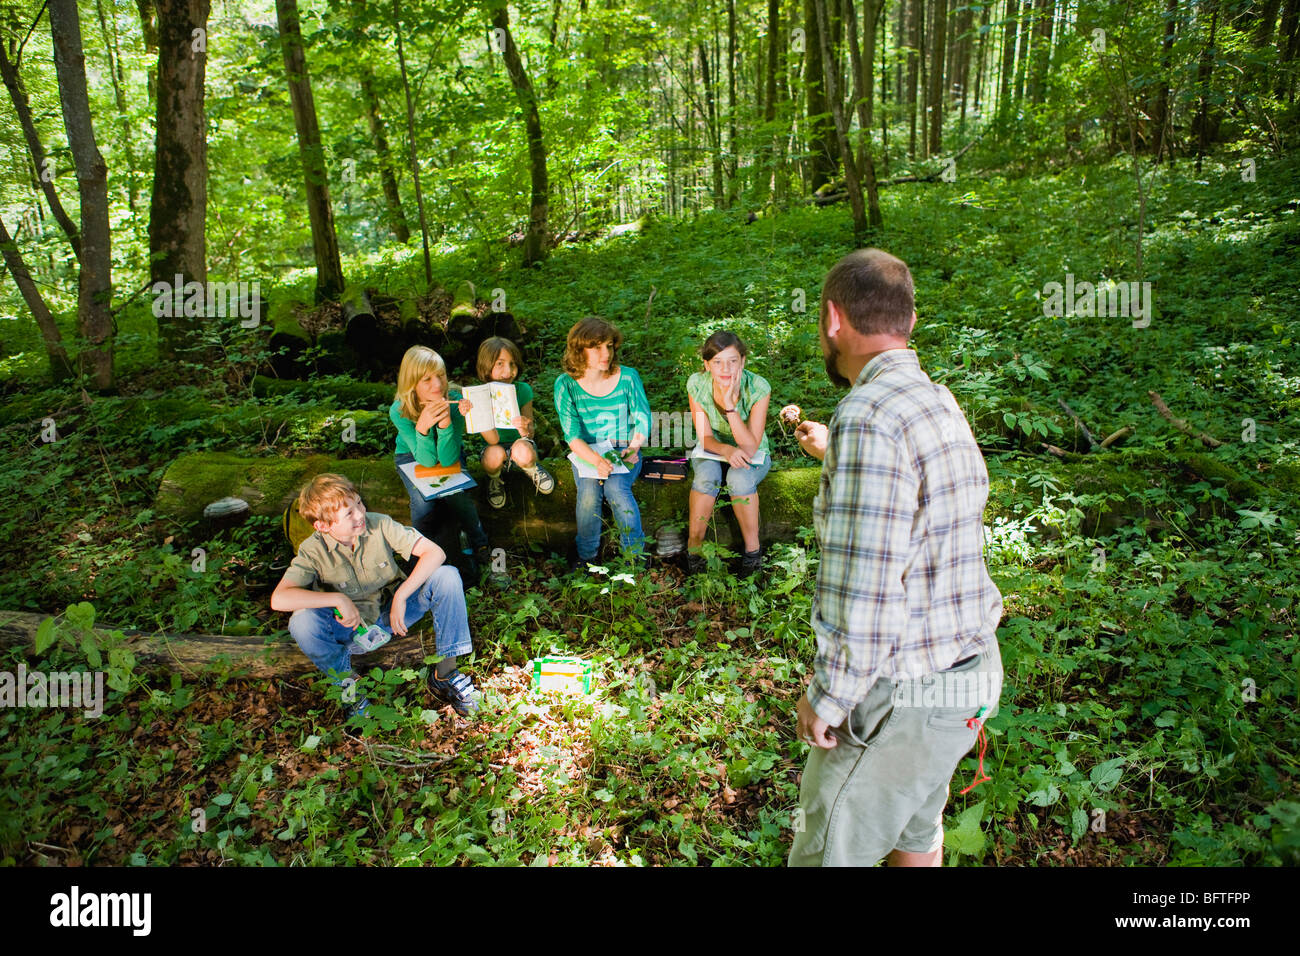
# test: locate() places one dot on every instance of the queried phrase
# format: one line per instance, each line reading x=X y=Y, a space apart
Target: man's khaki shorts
x=885 y=784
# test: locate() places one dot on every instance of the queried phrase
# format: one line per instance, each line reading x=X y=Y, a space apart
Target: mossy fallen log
x=270 y=484
x=1118 y=487
x=343 y=391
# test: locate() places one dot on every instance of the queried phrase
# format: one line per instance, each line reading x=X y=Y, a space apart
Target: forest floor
x=1149 y=637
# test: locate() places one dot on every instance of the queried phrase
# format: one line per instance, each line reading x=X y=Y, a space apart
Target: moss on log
x=339 y=389
x=270 y=484
x=1119 y=481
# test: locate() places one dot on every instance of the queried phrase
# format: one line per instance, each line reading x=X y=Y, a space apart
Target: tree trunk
x=1023 y=30
x=115 y=74
x=536 y=241
x=938 y=35
x=1204 y=73
x=410 y=144
x=95 y=293
x=1008 y=57
x=178 y=210
x=900 y=34
x=913 y=63
x=60 y=367
x=150 y=33
x=324 y=240
x=1288 y=47
x=830 y=70
x=45 y=168
x=379 y=136
x=714 y=129
x=773 y=45
x=985 y=32
x=1163 y=128
x=821 y=130
x=733 y=148
x=1042 y=56
x=964 y=45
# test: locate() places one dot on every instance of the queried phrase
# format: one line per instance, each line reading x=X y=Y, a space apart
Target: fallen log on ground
x=253 y=655
x=270 y=484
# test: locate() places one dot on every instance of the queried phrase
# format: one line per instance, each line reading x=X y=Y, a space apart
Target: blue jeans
x=328 y=644
x=617 y=490
x=741 y=482
x=431 y=517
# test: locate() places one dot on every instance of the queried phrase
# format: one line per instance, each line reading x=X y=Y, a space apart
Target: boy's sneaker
x=497 y=492
x=455 y=689
x=359 y=709
x=695 y=563
x=543 y=479
x=750 y=562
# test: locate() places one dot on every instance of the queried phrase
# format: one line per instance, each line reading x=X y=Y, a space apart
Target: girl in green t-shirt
x=429 y=416
x=499 y=360
x=729 y=410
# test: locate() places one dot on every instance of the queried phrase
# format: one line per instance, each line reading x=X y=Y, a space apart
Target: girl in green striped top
x=600 y=400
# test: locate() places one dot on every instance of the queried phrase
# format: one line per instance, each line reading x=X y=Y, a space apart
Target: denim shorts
x=883 y=787
x=741 y=482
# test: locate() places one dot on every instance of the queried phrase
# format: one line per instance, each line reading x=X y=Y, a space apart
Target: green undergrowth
x=1149 y=635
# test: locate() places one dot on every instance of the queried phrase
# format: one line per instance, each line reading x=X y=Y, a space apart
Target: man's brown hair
x=322 y=497
x=874 y=291
x=587 y=334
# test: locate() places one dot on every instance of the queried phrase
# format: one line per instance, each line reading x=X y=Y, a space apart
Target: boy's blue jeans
x=328 y=644
x=617 y=490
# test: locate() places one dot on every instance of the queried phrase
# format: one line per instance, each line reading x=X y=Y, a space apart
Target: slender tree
x=1204 y=74
x=1008 y=57
x=938 y=35
x=1163 y=145
x=178 y=208
x=412 y=158
x=324 y=240
x=1045 y=15
x=379 y=137
x=915 y=17
x=821 y=130
x=95 y=286
x=60 y=366
x=10 y=62
x=536 y=240
x=830 y=71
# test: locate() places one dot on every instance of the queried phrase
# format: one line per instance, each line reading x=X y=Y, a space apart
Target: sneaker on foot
x=543 y=480
x=496 y=492
x=359 y=708
x=695 y=563
x=750 y=562
x=455 y=689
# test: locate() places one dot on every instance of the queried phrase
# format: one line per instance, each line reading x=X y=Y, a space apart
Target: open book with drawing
x=496 y=405
x=437 y=481
x=605 y=450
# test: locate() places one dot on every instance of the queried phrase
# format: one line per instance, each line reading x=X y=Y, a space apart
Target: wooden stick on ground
x=1092 y=444
x=1116 y=437
x=1060 y=453
x=1181 y=423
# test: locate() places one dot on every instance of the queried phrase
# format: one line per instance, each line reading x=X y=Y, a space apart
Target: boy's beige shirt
x=323 y=564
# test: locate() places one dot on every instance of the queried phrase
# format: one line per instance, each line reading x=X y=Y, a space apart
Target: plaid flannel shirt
x=902 y=589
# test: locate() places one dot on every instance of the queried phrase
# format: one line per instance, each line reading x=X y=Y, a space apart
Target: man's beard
x=832 y=372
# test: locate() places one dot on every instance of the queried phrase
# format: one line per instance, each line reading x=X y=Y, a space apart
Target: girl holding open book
x=603 y=412
x=499 y=361
x=430 y=419
x=729 y=409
